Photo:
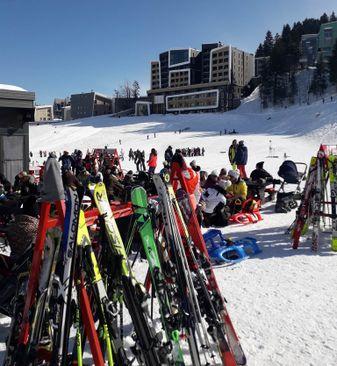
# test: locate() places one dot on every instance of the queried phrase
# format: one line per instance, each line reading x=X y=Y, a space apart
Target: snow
x=43 y=106
x=11 y=87
x=282 y=302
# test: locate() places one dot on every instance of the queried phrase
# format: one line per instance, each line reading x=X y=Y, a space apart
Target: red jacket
x=152 y=163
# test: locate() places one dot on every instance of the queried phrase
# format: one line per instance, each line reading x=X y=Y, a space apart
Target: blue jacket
x=241 y=155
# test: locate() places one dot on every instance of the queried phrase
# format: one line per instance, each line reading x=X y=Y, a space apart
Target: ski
x=302 y=214
x=333 y=192
x=65 y=282
x=164 y=292
x=149 y=347
x=231 y=350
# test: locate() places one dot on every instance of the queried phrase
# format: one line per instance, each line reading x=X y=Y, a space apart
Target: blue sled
x=225 y=251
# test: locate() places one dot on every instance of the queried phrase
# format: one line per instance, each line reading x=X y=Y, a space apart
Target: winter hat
x=260 y=165
x=234 y=174
x=241 y=142
x=224 y=184
x=193 y=162
x=214 y=172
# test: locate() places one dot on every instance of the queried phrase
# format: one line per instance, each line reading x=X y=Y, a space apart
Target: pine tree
x=319 y=81
x=324 y=19
x=293 y=89
x=259 y=52
x=268 y=44
x=333 y=17
x=333 y=65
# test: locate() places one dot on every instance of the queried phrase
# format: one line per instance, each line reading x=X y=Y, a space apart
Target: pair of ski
x=194 y=251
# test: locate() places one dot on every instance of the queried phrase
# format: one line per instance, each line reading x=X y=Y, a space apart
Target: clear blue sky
x=58 y=47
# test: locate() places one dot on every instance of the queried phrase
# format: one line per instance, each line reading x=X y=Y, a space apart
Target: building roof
x=11 y=87
x=43 y=106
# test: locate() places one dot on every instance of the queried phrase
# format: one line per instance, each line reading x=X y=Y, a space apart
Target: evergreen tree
x=333 y=65
x=268 y=44
x=319 y=81
x=324 y=19
x=260 y=51
x=333 y=17
x=266 y=87
x=293 y=89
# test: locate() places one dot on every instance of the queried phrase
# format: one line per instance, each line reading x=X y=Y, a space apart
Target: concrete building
x=44 y=113
x=16 y=111
x=90 y=104
x=327 y=38
x=191 y=80
x=66 y=113
x=308 y=49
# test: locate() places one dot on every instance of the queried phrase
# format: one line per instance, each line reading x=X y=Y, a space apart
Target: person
x=152 y=162
x=165 y=169
x=168 y=154
x=203 y=178
x=232 y=153
x=67 y=161
x=211 y=180
x=5 y=183
x=215 y=212
x=194 y=166
x=142 y=161
x=260 y=179
x=223 y=174
x=241 y=158
x=237 y=191
x=128 y=178
x=259 y=173
x=131 y=157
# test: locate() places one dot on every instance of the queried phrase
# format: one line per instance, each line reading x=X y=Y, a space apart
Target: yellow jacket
x=231 y=153
x=238 y=190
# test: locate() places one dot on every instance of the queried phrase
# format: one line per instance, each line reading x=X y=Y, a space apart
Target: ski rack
x=47 y=221
x=316 y=202
x=178 y=180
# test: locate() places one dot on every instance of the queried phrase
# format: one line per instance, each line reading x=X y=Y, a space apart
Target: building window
x=328 y=34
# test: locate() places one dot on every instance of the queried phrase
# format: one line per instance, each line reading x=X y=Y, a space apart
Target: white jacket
x=212 y=198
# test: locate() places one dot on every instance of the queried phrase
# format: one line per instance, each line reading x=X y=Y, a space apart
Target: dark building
x=59 y=105
x=90 y=104
x=191 y=80
x=205 y=59
x=16 y=110
x=308 y=49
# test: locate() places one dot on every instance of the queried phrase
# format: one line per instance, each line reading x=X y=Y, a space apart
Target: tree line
x=278 y=81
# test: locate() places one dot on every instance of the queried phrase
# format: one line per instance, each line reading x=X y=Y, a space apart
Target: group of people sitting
x=221 y=195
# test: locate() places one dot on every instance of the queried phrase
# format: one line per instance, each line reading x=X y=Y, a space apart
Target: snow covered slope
x=282 y=302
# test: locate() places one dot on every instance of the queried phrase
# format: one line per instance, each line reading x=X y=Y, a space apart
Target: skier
x=232 y=153
x=203 y=151
x=152 y=162
x=168 y=154
x=241 y=158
